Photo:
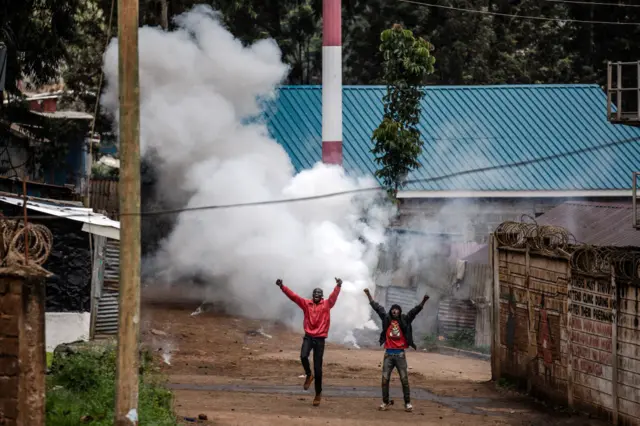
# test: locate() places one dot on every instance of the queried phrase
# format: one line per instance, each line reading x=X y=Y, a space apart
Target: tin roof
x=94 y=223
x=596 y=223
x=475 y=127
x=607 y=224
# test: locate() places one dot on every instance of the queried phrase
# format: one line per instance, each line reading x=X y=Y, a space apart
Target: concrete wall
x=66 y=327
x=556 y=329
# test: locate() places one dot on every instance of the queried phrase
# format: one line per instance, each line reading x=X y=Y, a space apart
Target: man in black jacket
x=396 y=336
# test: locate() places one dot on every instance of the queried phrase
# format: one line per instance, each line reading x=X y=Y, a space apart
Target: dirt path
x=239 y=372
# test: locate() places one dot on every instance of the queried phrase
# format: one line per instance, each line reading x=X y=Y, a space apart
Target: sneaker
x=316 y=400
x=307 y=382
x=385 y=406
x=408 y=408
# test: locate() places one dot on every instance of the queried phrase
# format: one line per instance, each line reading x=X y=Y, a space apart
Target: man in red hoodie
x=317 y=319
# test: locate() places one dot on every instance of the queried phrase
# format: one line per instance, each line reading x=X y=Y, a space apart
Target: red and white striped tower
x=332 y=82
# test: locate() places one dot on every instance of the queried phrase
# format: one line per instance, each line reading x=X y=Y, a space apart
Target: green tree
x=37 y=35
x=397 y=141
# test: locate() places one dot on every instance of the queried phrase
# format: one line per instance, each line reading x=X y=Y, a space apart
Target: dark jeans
x=390 y=362
x=317 y=345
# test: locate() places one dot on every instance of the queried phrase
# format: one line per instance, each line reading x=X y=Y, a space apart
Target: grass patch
x=461 y=339
x=81 y=390
x=430 y=343
x=506 y=384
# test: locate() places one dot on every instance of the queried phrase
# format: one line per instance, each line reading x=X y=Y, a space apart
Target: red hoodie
x=317 y=316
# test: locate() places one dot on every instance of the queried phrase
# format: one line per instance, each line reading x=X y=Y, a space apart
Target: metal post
x=638 y=89
x=634 y=198
x=126 y=412
x=619 y=91
x=609 y=77
x=614 y=347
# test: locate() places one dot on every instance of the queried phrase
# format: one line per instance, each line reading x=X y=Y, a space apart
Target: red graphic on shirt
x=395 y=338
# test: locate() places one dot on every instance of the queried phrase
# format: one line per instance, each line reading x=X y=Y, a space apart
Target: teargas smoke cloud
x=201 y=91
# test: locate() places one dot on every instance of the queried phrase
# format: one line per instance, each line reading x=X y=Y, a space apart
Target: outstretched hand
x=339 y=282
x=366 y=291
x=424 y=299
x=279 y=282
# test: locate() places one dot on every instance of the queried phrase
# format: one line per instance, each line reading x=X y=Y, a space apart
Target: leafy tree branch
x=397 y=141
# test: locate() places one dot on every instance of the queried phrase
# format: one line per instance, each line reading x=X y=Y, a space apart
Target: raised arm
x=376 y=306
x=411 y=315
x=291 y=294
x=333 y=297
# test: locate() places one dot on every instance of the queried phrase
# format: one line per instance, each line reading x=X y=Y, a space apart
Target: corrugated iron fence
x=104 y=196
x=568 y=324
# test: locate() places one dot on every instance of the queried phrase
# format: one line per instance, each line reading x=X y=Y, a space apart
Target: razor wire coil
x=38 y=237
x=624 y=262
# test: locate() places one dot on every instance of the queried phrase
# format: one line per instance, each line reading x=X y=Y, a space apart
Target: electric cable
x=358 y=190
x=510 y=15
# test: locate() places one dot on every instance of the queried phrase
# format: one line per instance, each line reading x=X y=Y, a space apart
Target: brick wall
x=10 y=310
x=22 y=353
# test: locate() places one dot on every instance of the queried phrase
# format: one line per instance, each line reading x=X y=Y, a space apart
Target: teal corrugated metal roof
x=474 y=127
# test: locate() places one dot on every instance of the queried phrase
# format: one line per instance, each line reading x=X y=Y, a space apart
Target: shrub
x=81 y=390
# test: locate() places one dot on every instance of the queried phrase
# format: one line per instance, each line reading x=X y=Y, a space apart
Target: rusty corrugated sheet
x=112 y=264
x=405 y=297
x=455 y=315
x=595 y=222
x=478 y=278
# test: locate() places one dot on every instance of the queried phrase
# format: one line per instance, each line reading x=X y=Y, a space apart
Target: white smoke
x=199 y=88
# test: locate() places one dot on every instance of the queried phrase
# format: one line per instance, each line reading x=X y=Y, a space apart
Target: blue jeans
x=390 y=362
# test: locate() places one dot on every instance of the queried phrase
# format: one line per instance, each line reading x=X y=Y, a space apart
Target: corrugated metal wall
x=107 y=318
x=106 y=322
x=112 y=264
x=405 y=297
x=455 y=315
x=478 y=278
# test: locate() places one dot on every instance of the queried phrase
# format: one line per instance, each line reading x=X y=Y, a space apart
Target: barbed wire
x=588 y=259
x=14 y=242
x=543 y=238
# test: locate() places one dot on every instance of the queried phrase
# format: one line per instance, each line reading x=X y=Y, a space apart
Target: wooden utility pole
x=126 y=412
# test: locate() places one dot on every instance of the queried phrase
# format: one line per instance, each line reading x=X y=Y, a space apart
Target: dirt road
x=240 y=372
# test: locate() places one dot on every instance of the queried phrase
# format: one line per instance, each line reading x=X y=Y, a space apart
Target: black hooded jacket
x=405 y=321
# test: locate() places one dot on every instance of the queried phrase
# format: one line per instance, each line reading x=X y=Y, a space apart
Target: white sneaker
x=385 y=406
x=408 y=408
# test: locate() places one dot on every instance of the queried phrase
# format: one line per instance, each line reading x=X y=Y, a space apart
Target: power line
x=363 y=190
x=538 y=18
x=593 y=3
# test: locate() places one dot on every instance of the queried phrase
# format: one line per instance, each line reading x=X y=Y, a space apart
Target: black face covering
x=318 y=293
x=395 y=307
